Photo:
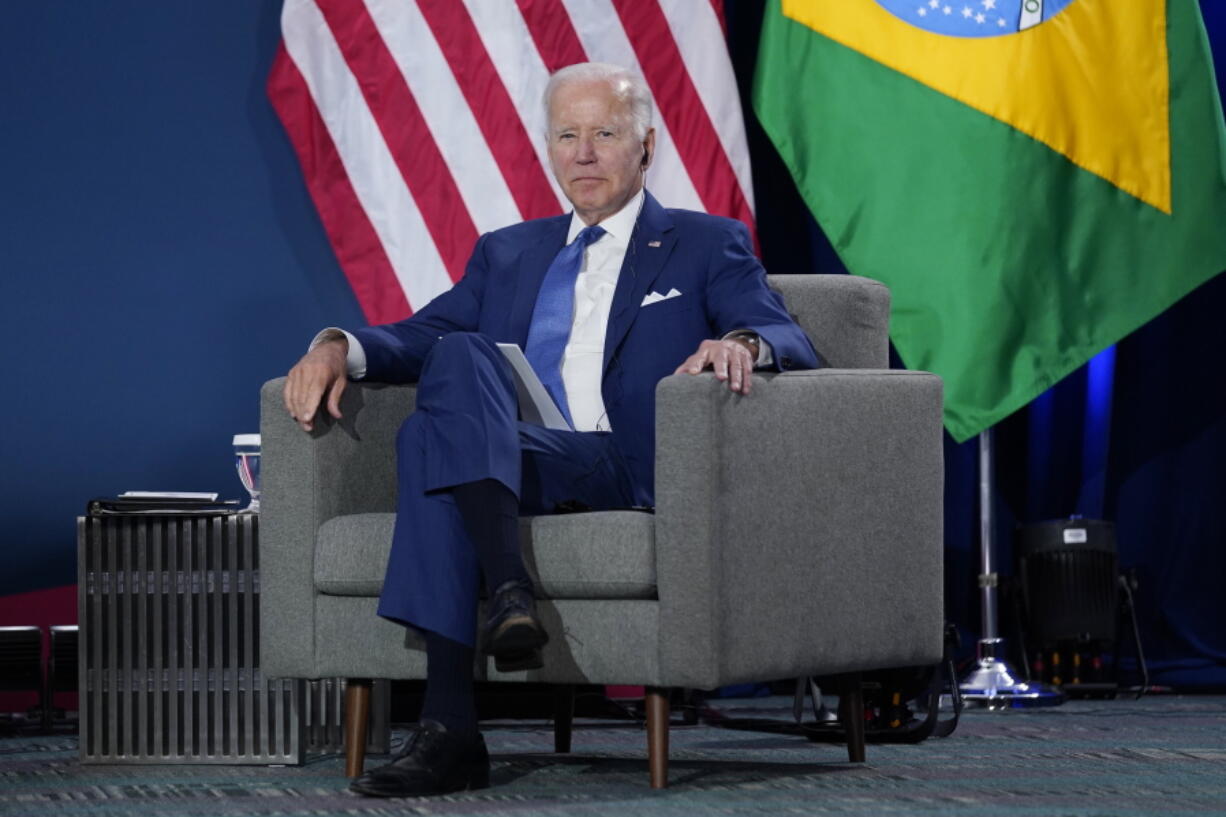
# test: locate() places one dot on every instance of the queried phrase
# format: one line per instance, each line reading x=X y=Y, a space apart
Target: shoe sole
x=470 y=785
x=518 y=634
x=517 y=661
x=477 y=777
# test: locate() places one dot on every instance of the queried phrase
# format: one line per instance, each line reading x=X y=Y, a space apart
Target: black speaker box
x=1068 y=570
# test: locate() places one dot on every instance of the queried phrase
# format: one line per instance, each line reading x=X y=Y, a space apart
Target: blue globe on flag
x=974 y=18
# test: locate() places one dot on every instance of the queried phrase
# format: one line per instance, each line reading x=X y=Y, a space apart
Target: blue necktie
x=553 y=315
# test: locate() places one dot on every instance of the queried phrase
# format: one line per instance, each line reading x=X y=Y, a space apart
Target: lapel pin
x=653 y=243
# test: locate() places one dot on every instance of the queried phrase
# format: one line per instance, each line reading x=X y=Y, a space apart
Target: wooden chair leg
x=851 y=714
x=563 y=716
x=657 y=736
x=357 y=714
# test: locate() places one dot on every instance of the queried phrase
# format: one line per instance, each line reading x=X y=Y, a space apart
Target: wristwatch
x=749 y=338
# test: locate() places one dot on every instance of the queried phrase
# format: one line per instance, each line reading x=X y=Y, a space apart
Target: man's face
x=595 y=155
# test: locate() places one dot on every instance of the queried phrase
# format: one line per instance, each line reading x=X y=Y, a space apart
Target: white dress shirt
x=583 y=357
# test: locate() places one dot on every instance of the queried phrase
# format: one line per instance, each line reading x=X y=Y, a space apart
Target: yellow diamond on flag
x=1091 y=82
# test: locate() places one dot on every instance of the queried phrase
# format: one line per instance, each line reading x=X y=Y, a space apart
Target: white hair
x=628 y=86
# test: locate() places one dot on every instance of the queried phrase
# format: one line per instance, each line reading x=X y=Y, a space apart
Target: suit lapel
x=533 y=264
x=650 y=246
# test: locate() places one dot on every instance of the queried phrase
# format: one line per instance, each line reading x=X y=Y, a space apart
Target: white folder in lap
x=535 y=404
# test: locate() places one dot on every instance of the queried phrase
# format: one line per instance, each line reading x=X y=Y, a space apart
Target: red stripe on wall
x=404 y=129
x=686 y=117
x=50 y=607
x=492 y=106
x=353 y=237
x=554 y=35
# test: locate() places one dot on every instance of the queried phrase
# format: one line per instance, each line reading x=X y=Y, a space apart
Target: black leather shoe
x=433 y=761
x=513 y=633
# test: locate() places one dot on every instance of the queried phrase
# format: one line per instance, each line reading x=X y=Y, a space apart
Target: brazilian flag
x=1034 y=179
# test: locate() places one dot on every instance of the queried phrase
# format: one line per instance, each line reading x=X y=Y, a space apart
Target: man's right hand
x=321 y=370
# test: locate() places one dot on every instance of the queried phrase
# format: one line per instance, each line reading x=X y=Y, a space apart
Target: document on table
x=535 y=404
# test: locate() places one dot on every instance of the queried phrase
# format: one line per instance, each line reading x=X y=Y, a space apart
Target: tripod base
x=993 y=684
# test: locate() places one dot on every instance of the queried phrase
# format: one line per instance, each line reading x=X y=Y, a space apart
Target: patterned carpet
x=1157 y=756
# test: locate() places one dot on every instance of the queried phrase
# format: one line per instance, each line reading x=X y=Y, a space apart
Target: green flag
x=1032 y=180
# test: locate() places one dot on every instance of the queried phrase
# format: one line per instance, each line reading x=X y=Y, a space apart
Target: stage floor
x=1161 y=755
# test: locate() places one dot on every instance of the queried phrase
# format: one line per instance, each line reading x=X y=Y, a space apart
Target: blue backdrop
x=161 y=259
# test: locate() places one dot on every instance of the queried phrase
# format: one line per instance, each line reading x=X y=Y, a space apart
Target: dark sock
x=491 y=517
x=449 y=685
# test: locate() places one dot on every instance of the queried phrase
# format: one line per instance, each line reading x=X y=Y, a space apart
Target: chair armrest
x=800 y=526
x=342 y=467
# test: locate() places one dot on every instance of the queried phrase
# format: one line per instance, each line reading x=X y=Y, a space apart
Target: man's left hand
x=731 y=359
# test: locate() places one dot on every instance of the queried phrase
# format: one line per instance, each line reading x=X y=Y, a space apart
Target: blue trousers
x=465 y=429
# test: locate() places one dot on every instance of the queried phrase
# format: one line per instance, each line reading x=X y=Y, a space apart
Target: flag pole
x=993 y=683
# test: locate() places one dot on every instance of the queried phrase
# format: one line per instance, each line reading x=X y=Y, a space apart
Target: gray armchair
x=797 y=532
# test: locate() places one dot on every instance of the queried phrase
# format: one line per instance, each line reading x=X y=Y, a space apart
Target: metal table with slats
x=169 y=650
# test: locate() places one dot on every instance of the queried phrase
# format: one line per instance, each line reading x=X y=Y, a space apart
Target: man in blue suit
x=605 y=302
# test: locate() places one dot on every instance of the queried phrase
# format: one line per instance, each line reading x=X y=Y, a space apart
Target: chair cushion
x=599 y=555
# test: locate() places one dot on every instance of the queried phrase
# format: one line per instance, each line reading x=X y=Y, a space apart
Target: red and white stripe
x=419 y=123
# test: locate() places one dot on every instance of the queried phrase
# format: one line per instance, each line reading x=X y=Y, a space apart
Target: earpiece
x=646 y=158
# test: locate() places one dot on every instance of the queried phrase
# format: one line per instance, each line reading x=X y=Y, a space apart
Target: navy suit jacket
x=706 y=258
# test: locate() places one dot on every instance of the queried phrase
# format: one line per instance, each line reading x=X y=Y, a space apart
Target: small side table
x=169 y=649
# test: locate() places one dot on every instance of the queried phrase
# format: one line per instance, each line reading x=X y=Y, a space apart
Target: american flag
x=419 y=124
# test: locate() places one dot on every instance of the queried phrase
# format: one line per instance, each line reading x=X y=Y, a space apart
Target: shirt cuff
x=355 y=358
x=766 y=356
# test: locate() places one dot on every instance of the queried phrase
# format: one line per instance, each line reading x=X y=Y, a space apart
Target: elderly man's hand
x=321 y=370
x=731 y=359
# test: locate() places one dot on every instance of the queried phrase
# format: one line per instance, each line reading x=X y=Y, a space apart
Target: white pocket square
x=655 y=297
